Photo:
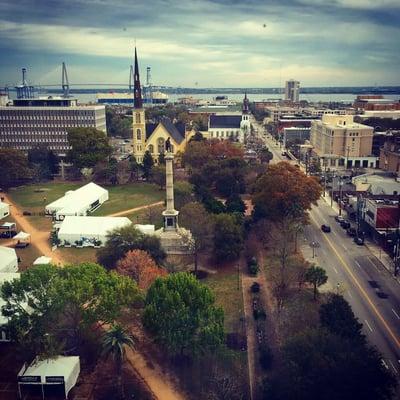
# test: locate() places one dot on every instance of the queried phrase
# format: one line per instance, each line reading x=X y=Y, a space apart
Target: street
x=356 y=274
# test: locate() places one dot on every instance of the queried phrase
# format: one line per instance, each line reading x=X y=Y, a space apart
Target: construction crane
x=24 y=91
x=131 y=79
x=65 y=83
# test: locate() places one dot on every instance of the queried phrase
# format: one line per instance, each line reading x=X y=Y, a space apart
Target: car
x=325 y=228
x=345 y=224
x=351 y=231
x=339 y=218
x=358 y=240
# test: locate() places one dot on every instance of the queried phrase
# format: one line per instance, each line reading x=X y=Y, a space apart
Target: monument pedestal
x=174 y=239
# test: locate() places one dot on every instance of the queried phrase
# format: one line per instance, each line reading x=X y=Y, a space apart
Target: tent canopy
x=42 y=260
x=22 y=236
x=8 y=260
x=52 y=371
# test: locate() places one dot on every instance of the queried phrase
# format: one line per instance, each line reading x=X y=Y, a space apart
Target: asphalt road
x=358 y=275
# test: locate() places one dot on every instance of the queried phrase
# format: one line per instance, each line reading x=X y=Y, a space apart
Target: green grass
x=124 y=197
x=30 y=197
x=229 y=297
x=144 y=217
x=73 y=255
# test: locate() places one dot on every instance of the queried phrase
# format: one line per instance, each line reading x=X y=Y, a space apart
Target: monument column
x=170 y=214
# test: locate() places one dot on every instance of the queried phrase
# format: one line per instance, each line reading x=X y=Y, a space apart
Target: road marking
x=395 y=370
x=335 y=270
x=350 y=295
x=344 y=247
x=373 y=264
x=362 y=291
x=369 y=326
x=334 y=233
x=395 y=313
x=358 y=264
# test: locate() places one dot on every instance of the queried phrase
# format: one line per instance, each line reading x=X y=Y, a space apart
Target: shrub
x=255 y=287
x=266 y=356
x=259 y=313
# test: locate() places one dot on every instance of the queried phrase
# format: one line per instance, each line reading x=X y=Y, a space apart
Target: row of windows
x=30 y=140
x=228 y=134
x=26 y=147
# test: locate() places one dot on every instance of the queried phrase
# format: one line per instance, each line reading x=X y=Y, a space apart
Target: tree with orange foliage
x=138 y=265
x=197 y=154
x=284 y=191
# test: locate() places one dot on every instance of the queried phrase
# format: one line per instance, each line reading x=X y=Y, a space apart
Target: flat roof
x=91 y=226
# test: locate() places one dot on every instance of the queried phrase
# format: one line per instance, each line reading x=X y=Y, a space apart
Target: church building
x=153 y=137
x=233 y=126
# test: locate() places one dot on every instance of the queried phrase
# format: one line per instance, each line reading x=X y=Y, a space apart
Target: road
x=358 y=275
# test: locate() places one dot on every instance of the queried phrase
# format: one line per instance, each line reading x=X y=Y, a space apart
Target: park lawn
x=35 y=197
x=72 y=255
x=144 y=216
x=229 y=297
x=125 y=197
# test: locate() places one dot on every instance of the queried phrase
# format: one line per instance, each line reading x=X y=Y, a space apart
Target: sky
x=203 y=43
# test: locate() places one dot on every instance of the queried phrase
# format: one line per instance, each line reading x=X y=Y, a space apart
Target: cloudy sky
x=203 y=43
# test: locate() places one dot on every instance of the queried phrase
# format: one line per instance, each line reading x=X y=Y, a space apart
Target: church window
x=151 y=148
x=138 y=118
x=161 y=145
x=139 y=134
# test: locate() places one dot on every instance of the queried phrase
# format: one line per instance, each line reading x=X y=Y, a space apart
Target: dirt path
x=39 y=239
x=159 y=384
x=132 y=210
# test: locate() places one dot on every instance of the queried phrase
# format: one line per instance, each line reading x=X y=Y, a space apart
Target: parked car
x=359 y=240
x=351 y=231
x=339 y=218
x=345 y=224
x=325 y=228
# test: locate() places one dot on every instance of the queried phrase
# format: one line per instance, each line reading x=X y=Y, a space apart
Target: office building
x=292 y=90
x=45 y=121
x=344 y=142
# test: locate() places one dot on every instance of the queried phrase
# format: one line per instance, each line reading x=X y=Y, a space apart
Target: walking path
x=39 y=239
x=132 y=210
x=159 y=384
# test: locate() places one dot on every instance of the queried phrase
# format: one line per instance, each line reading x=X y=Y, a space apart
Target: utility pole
x=340 y=195
x=347 y=156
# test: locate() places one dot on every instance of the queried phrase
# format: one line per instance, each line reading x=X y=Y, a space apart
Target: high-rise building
x=45 y=121
x=292 y=89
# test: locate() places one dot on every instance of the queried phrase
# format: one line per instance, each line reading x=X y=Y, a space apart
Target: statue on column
x=168 y=147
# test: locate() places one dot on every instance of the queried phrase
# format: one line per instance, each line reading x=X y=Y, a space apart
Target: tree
x=117 y=124
x=320 y=365
x=63 y=304
x=317 y=277
x=265 y=155
x=43 y=161
x=138 y=265
x=181 y=314
x=228 y=238
x=158 y=175
x=194 y=217
x=148 y=164
x=183 y=193
x=14 y=168
x=121 y=240
x=235 y=204
x=284 y=191
x=161 y=159
x=89 y=146
x=114 y=342
x=197 y=137
x=337 y=316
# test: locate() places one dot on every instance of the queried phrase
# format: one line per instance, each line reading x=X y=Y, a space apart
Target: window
x=139 y=134
x=161 y=145
x=138 y=118
x=151 y=148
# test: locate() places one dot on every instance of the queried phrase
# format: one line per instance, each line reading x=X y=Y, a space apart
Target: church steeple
x=245 y=107
x=138 y=102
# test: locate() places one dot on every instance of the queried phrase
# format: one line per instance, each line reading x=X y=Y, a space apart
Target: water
x=313 y=97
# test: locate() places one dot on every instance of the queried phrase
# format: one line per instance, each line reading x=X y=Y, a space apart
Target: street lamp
x=340 y=195
x=313 y=246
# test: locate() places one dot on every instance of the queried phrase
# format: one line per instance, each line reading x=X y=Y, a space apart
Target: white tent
x=8 y=260
x=78 y=202
x=4 y=210
x=146 y=229
x=22 y=236
x=5 y=277
x=58 y=373
x=42 y=260
x=91 y=231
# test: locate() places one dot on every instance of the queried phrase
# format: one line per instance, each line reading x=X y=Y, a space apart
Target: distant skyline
x=198 y=43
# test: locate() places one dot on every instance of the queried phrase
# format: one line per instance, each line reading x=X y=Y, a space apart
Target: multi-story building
x=344 y=142
x=389 y=159
x=276 y=112
x=292 y=90
x=376 y=103
x=45 y=121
